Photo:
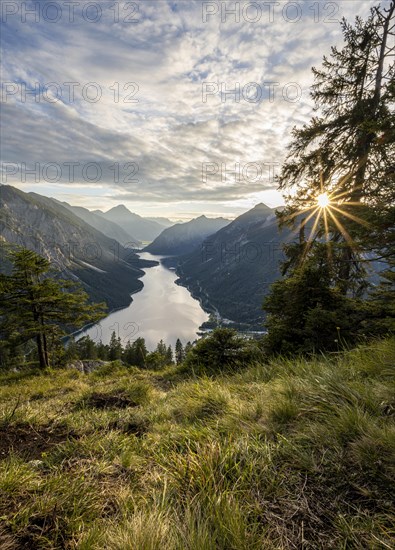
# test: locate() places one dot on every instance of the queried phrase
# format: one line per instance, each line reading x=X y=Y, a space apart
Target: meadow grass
x=289 y=454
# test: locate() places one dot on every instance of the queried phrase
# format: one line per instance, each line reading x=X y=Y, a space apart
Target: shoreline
x=152 y=263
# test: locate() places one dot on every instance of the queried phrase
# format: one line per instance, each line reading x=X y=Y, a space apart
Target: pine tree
x=188 y=347
x=36 y=305
x=135 y=354
x=161 y=348
x=86 y=348
x=347 y=150
x=179 y=352
x=140 y=351
x=221 y=350
x=380 y=318
x=339 y=184
x=169 y=356
x=306 y=313
x=115 y=348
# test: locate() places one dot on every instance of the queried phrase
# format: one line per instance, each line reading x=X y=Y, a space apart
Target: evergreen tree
x=221 y=350
x=380 y=306
x=179 y=352
x=339 y=185
x=140 y=351
x=135 y=354
x=35 y=305
x=86 y=348
x=102 y=351
x=115 y=348
x=127 y=355
x=306 y=313
x=169 y=356
x=188 y=348
x=161 y=348
x=347 y=151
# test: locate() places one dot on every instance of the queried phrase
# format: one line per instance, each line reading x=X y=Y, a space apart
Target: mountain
x=76 y=249
x=182 y=238
x=232 y=270
x=142 y=228
x=161 y=221
x=109 y=228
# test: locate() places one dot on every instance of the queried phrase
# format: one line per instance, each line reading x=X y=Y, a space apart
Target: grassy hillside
x=291 y=454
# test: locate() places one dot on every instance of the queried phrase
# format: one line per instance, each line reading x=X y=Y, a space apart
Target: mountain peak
x=121 y=208
x=261 y=206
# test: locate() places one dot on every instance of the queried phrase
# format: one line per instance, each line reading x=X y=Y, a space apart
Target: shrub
x=222 y=350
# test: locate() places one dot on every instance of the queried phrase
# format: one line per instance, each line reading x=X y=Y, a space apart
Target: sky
x=174 y=109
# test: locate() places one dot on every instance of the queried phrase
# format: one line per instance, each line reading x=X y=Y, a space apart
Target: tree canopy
x=35 y=304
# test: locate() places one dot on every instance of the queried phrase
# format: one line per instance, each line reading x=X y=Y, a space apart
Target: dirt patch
x=41 y=529
x=131 y=427
x=30 y=442
x=116 y=400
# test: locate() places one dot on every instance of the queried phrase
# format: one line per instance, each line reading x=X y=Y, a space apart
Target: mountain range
x=228 y=266
x=79 y=251
x=104 y=225
x=231 y=271
x=139 y=228
x=182 y=238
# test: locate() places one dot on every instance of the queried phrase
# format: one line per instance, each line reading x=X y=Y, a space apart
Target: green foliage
x=161 y=357
x=307 y=314
x=220 y=351
x=348 y=152
x=115 y=348
x=179 y=352
x=136 y=354
x=380 y=306
x=34 y=305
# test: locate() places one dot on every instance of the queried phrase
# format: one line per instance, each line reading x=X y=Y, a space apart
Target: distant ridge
x=232 y=270
x=78 y=250
x=109 y=228
x=183 y=238
x=141 y=228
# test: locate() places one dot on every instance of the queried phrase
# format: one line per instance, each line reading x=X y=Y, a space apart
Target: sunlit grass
x=283 y=455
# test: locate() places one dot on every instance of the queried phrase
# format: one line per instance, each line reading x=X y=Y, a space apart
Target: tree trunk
x=41 y=353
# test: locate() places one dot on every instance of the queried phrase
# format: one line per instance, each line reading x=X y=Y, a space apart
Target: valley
x=227 y=266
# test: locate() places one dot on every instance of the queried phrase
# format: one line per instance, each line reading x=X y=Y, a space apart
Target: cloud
x=160 y=143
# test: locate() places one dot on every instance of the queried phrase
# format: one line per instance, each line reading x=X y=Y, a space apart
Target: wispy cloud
x=151 y=153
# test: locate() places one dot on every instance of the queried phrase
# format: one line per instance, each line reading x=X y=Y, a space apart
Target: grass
x=287 y=455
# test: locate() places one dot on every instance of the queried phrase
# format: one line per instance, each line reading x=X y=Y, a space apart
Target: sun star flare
x=323 y=200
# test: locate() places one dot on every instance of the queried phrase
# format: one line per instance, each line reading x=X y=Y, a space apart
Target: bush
x=222 y=350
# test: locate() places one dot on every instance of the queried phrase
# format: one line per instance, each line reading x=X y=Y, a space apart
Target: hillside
x=109 y=228
x=233 y=269
x=161 y=221
x=286 y=455
x=183 y=238
x=76 y=249
x=143 y=229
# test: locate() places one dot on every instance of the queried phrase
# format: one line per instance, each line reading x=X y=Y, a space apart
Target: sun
x=323 y=200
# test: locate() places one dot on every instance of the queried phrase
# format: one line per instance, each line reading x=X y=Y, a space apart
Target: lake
x=161 y=310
